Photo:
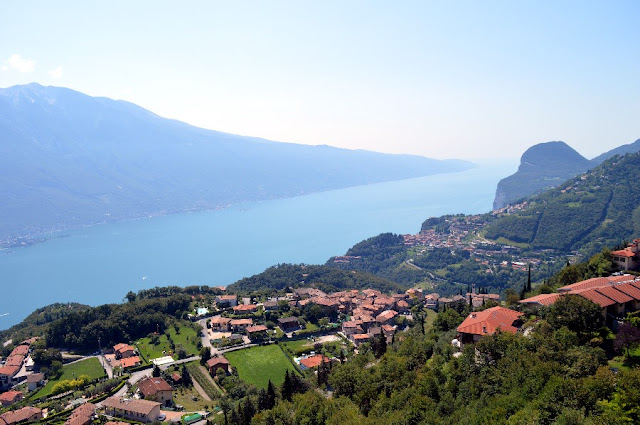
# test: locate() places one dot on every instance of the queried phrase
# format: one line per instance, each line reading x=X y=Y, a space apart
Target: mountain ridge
x=545 y=165
x=69 y=159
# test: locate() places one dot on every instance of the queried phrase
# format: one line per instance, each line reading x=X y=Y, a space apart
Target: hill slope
x=69 y=159
x=599 y=208
x=542 y=166
x=546 y=165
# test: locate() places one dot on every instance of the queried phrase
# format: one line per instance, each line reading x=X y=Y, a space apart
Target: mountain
x=546 y=165
x=620 y=150
x=542 y=166
x=68 y=159
x=598 y=208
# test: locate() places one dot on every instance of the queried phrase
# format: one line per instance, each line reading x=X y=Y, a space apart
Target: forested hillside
x=600 y=208
x=281 y=276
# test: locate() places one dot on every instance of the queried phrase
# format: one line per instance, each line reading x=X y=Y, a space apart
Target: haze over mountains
x=69 y=159
x=546 y=165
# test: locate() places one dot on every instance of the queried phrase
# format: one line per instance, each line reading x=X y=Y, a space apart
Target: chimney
x=484 y=329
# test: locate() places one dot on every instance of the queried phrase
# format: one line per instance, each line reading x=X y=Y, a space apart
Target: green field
x=163 y=348
x=91 y=367
x=296 y=345
x=258 y=365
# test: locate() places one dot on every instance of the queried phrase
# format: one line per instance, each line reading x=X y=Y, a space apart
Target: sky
x=447 y=79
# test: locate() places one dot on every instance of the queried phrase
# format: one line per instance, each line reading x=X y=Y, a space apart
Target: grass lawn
x=311 y=327
x=431 y=316
x=624 y=362
x=91 y=367
x=258 y=365
x=296 y=345
x=191 y=400
x=152 y=351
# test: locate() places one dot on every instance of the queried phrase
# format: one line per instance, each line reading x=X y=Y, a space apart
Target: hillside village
x=306 y=330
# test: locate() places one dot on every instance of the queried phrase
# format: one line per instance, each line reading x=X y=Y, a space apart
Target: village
x=232 y=341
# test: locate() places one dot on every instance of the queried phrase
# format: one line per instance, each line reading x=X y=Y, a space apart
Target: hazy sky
x=442 y=79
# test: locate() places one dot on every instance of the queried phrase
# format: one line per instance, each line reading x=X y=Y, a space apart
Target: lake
x=100 y=264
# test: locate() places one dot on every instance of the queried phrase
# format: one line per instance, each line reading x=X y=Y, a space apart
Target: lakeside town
x=228 y=341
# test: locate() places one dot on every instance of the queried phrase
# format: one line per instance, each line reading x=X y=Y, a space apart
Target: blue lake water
x=100 y=264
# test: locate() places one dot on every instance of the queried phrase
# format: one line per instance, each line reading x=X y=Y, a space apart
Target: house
x=220 y=324
x=487 y=322
x=270 y=305
x=245 y=309
x=312 y=362
x=386 y=317
x=34 y=381
x=352 y=327
x=6 y=376
x=10 y=397
x=360 y=338
x=26 y=414
x=627 y=258
x=227 y=300
x=122 y=351
x=82 y=415
x=130 y=362
x=388 y=331
x=240 y=325
x=216 y=363
x=288 y=323
x=137 y=410
x=176 y=378
x=156 y=389
x=257 y=332
x=20 y=350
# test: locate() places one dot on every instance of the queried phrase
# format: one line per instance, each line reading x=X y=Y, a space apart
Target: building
x=7 y=374
x=245 y=309
x=240 y=325
x=227 y=300
x=34 y=381
x=122 y=351
x=312 y=362
x=156 y=389
x=26 y=414
x=137 y=410
x=82 y=415
x=288 y=323
x=627 y=259
x=220 y=324
x=257 y=332
x=487 y=322
x=10 y=397
x=130 y=362
x=216 y=363
x=386 y=317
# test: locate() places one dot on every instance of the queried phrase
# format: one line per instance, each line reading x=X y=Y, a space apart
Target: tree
x=205 y=355
x=287 y=387
x=628 y=337
x=186 y=377
x=578 y=314
x=225 y=406
x=271 y=395
x=130 y=297
x=156 y=371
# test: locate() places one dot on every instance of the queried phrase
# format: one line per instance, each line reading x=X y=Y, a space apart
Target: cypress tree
x=271 y=395
x=529 y=279
x=287 y=387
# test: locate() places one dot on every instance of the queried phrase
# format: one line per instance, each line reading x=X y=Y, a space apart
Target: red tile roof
x=488 y=321
x=9 y=370
x=629 y=288
x=215 y=361
x=257 y=328
x=386 y=315
x=10 y=397
x=82 y=415
x=130 y=362
x=614 y=294
x=314 y=361
x=623 y=253
x=20 y=350
x=20 y=415
x=595 y=282
x=542 y=299
x=150 y=386
x=595 y=296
